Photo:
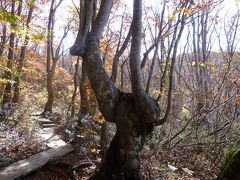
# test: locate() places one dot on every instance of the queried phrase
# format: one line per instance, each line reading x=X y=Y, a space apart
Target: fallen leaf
x=172 y=167
x=190 y=172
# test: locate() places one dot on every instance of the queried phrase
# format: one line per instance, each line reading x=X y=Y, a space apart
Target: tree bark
x=50 y=89
x=75 y=81
x=21 y=60
x=84 y=104
x=4 y=33
x=52 y=56
x=135 y=114
x=118 y=55
x=7 y=95
x=50 y=98
x=122 y=157
x=105 y=137
x=3 y=40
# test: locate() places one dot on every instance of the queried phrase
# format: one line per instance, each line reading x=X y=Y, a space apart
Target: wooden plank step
x=55 y=141
x=45 y=122
x=47 y=131
x=24 y=167
x=48 y=125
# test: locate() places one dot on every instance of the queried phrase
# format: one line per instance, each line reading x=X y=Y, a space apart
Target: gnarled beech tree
x=135 y=114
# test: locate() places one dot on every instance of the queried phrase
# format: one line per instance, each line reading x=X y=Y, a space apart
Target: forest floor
x=72 y=165
x=158 y=163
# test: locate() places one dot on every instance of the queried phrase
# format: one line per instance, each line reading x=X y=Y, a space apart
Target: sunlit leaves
x=62 y=77
x=7 y=17
x=5 y=81
x=202 y=64
x=34 y=33
x=37 y=37
x=31 y=3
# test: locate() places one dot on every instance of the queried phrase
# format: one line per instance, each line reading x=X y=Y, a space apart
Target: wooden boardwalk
x=57 y=148
x=23 y=167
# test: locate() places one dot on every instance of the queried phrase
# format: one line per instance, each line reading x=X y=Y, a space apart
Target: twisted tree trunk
x=135 y=114
x=122 y=157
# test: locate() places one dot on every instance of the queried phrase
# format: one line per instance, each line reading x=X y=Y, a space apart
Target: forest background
x=199 y=93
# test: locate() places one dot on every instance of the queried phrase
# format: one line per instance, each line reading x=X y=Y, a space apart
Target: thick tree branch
x=105 y=91
x=101 y=19
x=147 y=108
x=86 y=15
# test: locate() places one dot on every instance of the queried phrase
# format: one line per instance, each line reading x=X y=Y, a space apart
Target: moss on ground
x=231 y=166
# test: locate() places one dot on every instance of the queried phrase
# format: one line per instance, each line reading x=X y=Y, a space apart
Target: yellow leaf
x=202 y=64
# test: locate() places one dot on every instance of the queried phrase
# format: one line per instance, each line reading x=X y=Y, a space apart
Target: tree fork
x=122 y=160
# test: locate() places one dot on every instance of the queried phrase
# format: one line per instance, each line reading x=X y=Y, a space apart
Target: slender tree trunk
x=151 y=70
x=50 y=98
x=7 y=95
x=21 y=60
x=105 y=137
x=50 y=89
x=118 y=55
x=52 y=56
x=201 y=61
x=84 y=95
x=72 y=105
x=3 y=40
